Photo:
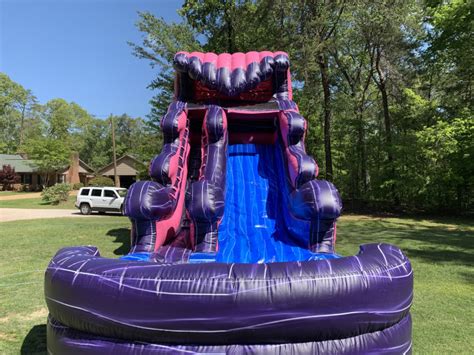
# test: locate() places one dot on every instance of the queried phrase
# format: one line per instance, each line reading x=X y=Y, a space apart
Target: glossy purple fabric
x=315 y=201
x=232 y=74
x=393 y=340
x=217 y=303
x=206 y=205
x=149 y=201
x=160 y=165
x=293 y=130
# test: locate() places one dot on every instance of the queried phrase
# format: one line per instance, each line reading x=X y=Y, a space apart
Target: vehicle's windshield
x=122 y=193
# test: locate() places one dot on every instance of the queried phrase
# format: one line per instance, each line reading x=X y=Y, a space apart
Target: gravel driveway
x=20 y=196
x=16 y=214
x=28 y=195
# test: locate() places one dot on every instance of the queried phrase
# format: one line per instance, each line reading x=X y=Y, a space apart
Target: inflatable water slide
x=233 y=239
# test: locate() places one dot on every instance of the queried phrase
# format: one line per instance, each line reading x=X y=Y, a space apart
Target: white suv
x=101 y=199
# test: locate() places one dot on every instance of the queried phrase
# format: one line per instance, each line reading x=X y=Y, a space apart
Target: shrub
x=77 y=185
x=8 y=177
x=56 y=193
x=101 y=181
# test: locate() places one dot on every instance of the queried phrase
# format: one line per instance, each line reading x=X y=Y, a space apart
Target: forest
x=385 y=85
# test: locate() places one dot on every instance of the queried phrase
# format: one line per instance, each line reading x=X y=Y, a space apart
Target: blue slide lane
x=254 y=225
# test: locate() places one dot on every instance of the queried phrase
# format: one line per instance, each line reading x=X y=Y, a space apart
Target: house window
x=26 y=178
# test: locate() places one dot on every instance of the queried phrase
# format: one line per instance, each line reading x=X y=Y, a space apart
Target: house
x=127 y=170
x=26 y=168
x=77 y=171
x=32 y=179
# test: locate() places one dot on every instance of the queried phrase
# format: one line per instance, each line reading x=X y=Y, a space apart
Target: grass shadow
x=121 y=235
x=431 y=243
x=35 y=341
x=468 y=277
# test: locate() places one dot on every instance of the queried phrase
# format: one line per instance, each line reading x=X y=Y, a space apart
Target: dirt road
x=27 y=195
x=20 y=196
x=16 y=214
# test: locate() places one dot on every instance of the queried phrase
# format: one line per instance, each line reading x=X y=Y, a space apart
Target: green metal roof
x=16 y=161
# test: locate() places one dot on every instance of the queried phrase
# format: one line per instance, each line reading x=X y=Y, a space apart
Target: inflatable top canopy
x=245 y=77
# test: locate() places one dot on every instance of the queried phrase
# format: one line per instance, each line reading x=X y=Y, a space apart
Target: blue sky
x=77 y=50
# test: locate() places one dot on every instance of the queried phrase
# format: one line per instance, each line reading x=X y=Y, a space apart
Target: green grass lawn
x=37 y=203
x=441 y=251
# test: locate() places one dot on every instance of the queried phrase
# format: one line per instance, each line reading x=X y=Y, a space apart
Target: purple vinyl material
x=315 y=201
x=206 y=205
x=393 y=340
x=169 y=295
x=150 y=201
x=232 y=74
x=247 y=303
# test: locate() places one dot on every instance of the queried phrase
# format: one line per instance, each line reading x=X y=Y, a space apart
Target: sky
x=77 y=50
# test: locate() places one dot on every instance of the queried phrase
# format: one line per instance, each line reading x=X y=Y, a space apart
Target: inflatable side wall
x=156 y=207
x=317 y=201
x=206 y=206
x=236 y=303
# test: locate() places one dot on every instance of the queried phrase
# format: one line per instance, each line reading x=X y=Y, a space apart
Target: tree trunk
x=389 y=142
x=112 y=127
x=387 y=120
x=381 y=82
x=230 y=26
x=22 y=126
x=323 y=67
x=362 y=151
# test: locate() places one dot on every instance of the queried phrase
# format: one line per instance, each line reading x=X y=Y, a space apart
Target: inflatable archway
x=233 y=240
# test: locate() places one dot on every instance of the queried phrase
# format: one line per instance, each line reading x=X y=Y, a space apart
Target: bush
x=77 y=185
x=56 y=193
x=99 y=181
x=8 y=177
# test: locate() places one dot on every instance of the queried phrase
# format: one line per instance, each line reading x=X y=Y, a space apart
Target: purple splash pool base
x=233 y=242
x=392 y=340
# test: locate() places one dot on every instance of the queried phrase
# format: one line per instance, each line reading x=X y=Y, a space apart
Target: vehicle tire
x=85 y=209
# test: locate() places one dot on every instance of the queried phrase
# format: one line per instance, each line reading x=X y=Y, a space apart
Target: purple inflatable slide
x=232 y=240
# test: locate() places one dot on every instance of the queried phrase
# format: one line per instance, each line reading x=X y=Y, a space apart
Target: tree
x=232 y=26
x=8 y=177
x=58 y=115
x=50 y=155
x=17 y=105
x=95 y=143
x=353 y=55
x=159 y=46
x=448 y=171
x=450 y=52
